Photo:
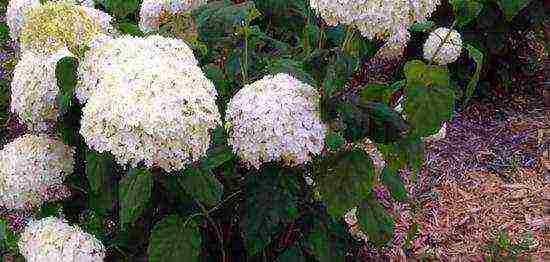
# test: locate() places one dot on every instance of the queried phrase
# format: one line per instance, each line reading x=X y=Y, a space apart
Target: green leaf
x=512 y=7
x=201 y=186
x=66 y=75
x=4 y=32
x=291 y=67
x=429 y=99
x=466 y=11
x=345 y=180
x=371 y=119
x=377 y=93
x=422 y=26
x=406 y=153
x=390 y=177
x=477 y=56
x=134 y=194
x=172 y=239
x=270 y=204
x=338 y=72
x=130 y=29
x=220 y=153
x=292 y=254
x=122 y=8
x=334 y=140
x=323 y=241
x=376 y=222
x=219 y=21
x=98 y=167
x=427 y=108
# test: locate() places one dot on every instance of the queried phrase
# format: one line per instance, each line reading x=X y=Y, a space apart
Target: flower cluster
x=34 y=89
x=153 y=12
x=275 y=118
x=147 y=100
x=31 y=167
x=15 y=15
x=443 y=46
x=383 y=19
x=56 y=25
x=53 y=240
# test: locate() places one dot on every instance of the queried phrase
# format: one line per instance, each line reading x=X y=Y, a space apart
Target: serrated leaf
x=477 y=56
x=466 y=11
x=377 y=93
x=345 y=180
x=130 y=29
x=218 y=20
x=375 y=120
x=339 y=70
x=406 y=153
x=134 y=194
x=427 y=108
x=390 y=177
x=291 y=67
x=512 y=7
x=122 y=8
x=322 y=242
x=66 y=75
x=334 y=140
x=376 y=222
x=201 y=186
x=173 y=240
x=103 y=193
x=270 y=204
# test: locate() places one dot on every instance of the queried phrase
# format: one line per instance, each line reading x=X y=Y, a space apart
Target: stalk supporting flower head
x=148 y=101
x=32 y=170
x=275 y=118
x=53 y=240
x=443 y=46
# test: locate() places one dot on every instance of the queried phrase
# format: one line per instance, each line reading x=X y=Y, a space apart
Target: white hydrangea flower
x=52 y=239
x=275 y=118
x=152 y=11
x=56 y=25
x=383 y=19
x=15 y=15
x=147 y=101
x=34 y=88
x=31 y=167
x=447 y=52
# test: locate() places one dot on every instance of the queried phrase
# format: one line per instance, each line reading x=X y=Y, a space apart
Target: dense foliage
x=268 y=155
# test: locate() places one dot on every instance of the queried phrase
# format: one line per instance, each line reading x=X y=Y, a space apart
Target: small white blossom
x=55 y=25
x=34 y=89
x=30 y=167
x=147 y=100
x=275 y=118
x=152 y=12
x=382 y=19
x=15 y=15
x=53 y=240
x=444 y=52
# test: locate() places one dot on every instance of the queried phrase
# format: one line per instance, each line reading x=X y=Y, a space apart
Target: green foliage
x=477 y=56
x=422 y=26
x=293 y=254
x=324 y=243
x=134 y=194
x=466 y=11
x=390 y=177
x=429 y=98
x=502 y=248
x=130 y=29
x=512 y=7
x=270 y=204
x=345 y=180
x=201 y=186
x=99 y=171
x=374 y=219
x=407 y=153
x=122 y=8
x=8 y=239
x=66 y=75
x=173 y=239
